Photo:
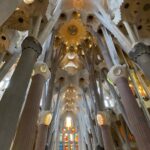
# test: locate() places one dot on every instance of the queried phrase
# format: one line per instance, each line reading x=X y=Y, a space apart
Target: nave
x=74 y=75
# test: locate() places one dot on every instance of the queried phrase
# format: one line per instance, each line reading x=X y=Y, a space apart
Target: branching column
x=135 y=117
x=41 y=140
x=25 y=136
x=90 y=119
x=137 y=121
x=107 y=138
x=55 y=115
x=104 y=122
x=14 y=96
x=141 y=55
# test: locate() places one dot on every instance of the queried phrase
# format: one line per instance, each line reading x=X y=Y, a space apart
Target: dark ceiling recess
x=126 y=5
x=63 y=16
x=21 y=20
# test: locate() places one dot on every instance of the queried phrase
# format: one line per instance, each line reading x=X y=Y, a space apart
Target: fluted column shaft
x=14 y=96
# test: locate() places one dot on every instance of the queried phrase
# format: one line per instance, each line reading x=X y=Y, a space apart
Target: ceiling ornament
x=73 y=32
x=19 y=20
x=71 y=63
x=137 y=13
x=4 y=41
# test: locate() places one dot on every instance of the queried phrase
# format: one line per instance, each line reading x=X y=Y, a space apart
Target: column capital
x=42 y=69
x=139 y=49
x=103 y=118
x=116 y=72
x=32 y=43
x=45 y=118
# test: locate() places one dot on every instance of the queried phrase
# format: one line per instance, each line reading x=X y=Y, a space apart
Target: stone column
x=107 y=137
x=137 y=121
x=138 y=125
x=56 y=118
x=44 y=129
x=44 y=122
x=141 y=55
x=95 y=141
x=105 y=129
x=25 y=136
x=14 y=96
x=103 y=119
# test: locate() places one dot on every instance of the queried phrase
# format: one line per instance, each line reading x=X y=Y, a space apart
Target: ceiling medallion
x=73 y=32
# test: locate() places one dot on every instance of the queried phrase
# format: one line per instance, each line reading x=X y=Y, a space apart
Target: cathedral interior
x=75 y=75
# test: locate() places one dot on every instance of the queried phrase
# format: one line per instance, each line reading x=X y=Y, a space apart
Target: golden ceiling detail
x=19 y=20
x=4 y=41
x=70 y=97
x=71 y=94
x=138 y=13
x=78 y=4
x=73 y=32
x=71 y=63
